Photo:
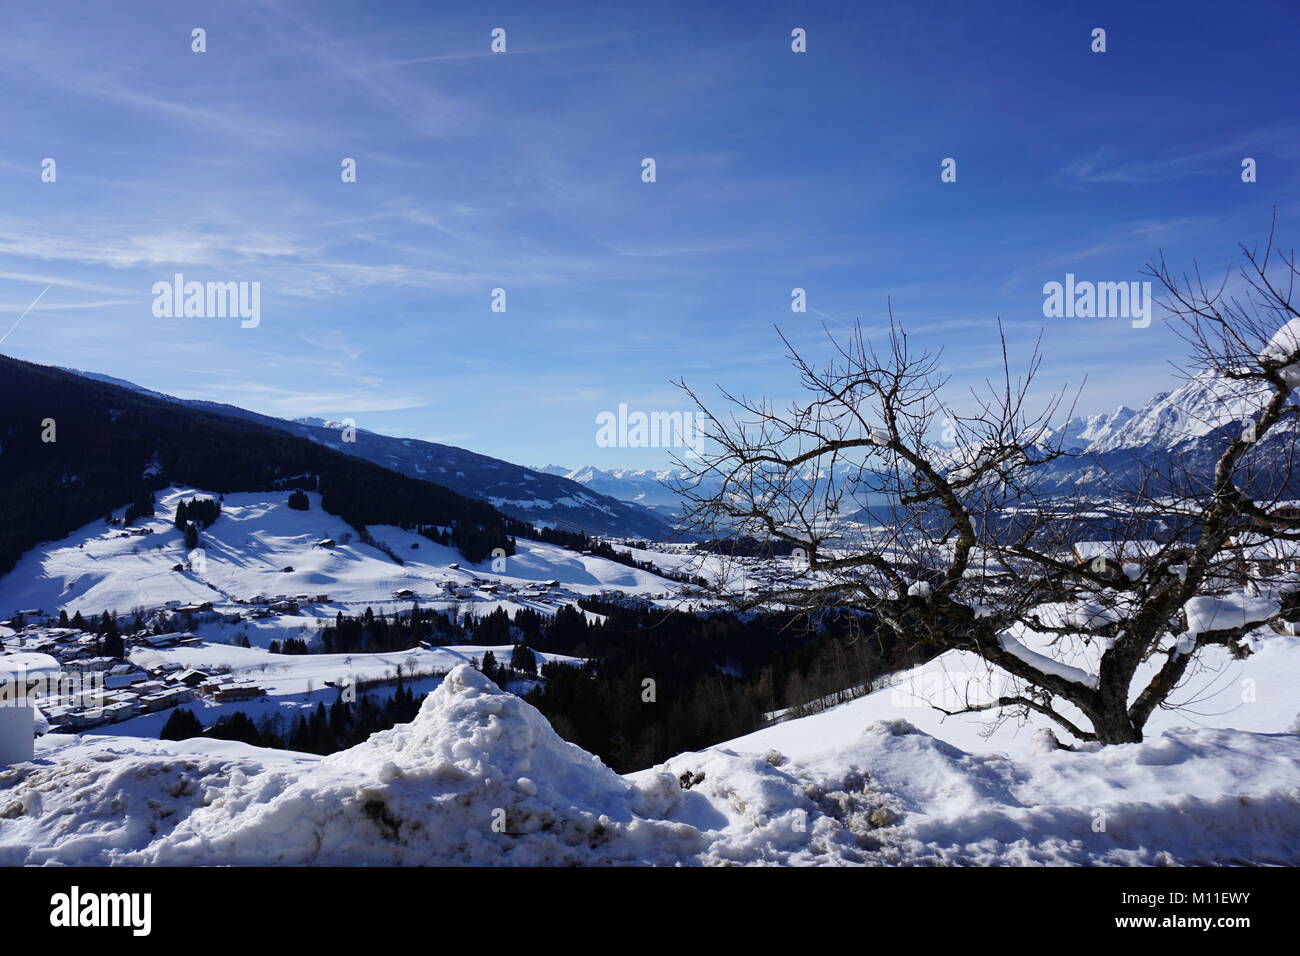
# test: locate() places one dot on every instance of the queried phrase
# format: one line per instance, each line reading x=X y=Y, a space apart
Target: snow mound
x=478 y=777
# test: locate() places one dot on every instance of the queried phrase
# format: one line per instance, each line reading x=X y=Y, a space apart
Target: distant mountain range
x=1188 y=425
x=1185 y=430
x=1197 y=408
x=646 y=487
x=542 y=498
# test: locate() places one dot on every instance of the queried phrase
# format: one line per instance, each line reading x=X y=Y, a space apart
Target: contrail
x=25 y=311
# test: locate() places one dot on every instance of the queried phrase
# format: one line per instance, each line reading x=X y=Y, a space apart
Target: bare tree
x=968 y=542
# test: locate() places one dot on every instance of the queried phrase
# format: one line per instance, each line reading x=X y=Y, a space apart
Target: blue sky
x=523 y=171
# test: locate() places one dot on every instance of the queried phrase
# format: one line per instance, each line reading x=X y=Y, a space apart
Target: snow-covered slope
x=479 y=777
x=246 y=553
x=1257 y=694
x=1082 y=432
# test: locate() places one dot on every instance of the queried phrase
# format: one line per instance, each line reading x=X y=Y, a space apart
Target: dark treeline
x=370 y=633
x=747 y=547
x=325 y=731
x=478 y=542
x=714 y=677
x=200 y=511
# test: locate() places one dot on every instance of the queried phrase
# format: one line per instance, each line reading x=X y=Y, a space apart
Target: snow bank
x=479 y=777
x=1211 y=613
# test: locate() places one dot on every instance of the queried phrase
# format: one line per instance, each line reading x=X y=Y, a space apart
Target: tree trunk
x=1114 y=726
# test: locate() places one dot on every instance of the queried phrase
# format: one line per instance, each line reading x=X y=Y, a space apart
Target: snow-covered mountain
x=1197 y=408
x=545 y=499
x=648 y=487
x=1082 y=432
x=1183 y=431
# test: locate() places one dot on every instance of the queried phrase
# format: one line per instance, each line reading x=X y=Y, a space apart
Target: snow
x=479 y=778
x=1284 y=345
x=1255 y=694
x=1211 y=613
x=247 y=549
x=1047 y=665
x=27 y=665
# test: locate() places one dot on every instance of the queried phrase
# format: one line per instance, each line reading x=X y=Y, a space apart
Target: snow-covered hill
x=260 y=546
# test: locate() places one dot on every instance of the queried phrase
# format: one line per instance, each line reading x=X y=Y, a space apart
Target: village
x=97 y=688
x=91 y=689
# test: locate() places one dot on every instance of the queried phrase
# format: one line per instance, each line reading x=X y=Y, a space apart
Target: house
x=163 y=699
x=238 y=692
x=88 y=665
x=189 y=677
x=119 y=710
x=157 y=641
x=326 y=543
x=159 y=701
x=123 y=675
x=404 y=593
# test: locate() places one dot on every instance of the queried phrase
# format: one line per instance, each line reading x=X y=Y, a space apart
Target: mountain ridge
x=543 y=499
